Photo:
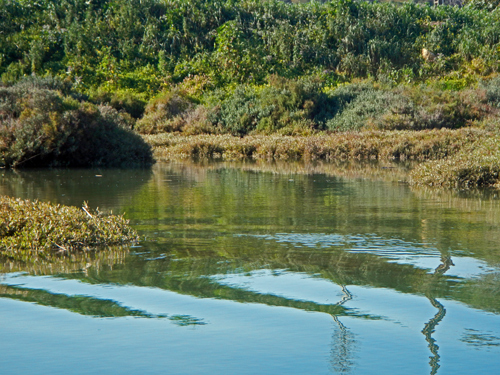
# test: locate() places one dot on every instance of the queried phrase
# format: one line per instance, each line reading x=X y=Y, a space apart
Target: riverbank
x=462 y=158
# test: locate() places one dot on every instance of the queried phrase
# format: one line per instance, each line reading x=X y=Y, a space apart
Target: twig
x=88 y=213
x=62 y=248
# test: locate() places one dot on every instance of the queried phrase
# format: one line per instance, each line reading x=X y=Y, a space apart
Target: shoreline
x=465 y=158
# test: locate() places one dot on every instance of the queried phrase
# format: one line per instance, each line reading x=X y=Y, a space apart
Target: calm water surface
x=251 y=271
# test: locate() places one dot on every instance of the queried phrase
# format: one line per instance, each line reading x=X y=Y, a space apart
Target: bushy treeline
x=144 y=45
x=43 y=123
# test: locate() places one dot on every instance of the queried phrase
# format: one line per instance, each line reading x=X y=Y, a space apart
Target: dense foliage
x=236 y=67
x=145 y=45
x=305 y=106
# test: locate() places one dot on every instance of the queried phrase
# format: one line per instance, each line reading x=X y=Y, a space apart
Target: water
x=260 y=270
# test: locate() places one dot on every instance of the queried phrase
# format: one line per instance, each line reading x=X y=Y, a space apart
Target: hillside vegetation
x=239 y=68
x=147 y=45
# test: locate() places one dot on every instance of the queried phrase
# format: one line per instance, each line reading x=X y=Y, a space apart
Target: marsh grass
x=477 y=165
x=32 y=229
x=466 y=158
x=368 y=145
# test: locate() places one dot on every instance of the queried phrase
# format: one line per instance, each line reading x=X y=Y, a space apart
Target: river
x=260 y=269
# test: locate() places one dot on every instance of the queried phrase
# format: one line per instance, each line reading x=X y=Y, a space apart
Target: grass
x=366 y=145
x=475 y=166
x=32 y=229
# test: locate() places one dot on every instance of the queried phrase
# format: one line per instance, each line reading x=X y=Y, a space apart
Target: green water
x=260 y=269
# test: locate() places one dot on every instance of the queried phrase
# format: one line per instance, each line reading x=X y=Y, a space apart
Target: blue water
x=244 y=271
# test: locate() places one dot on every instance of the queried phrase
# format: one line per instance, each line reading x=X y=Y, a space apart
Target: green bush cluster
x=409 y=108
x=306 y=106
x=286 y=106
x=40 y=126
x=124 y=101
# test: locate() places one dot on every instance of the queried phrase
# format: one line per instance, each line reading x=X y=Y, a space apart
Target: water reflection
x=328 y=243
x=104 y=188
x=429 y=329
x=343 y=343
x=430 y=326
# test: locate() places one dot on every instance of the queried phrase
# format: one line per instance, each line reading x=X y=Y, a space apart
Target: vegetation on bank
x=477 y=165
x=356 y=77
x=368 y=145
x=42 y=123
x=32 y=229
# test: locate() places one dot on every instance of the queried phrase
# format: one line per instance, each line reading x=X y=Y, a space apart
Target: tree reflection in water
x=429 y=330
x=342 y=352
x=430 y=326
x=343 y=341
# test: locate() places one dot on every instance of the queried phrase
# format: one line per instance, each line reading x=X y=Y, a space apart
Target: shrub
x=41 y=127
x=198 y=121
x=403 y=108
x=123 y=101
x=33 y=82
x=357 y=107
x=492 y=89
x=165 y=113
x=284 y=105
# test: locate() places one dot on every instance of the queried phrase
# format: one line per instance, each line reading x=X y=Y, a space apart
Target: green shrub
x=402 y=108
x=358 y=105
x=41 y=127
x=287 y=106
x=238 y=113
x=123 y=101
x=165 y=113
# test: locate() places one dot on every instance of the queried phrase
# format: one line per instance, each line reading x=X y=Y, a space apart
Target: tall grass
x=477 y=165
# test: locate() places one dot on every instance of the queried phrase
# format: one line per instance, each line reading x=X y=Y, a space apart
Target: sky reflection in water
x=251 y=271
